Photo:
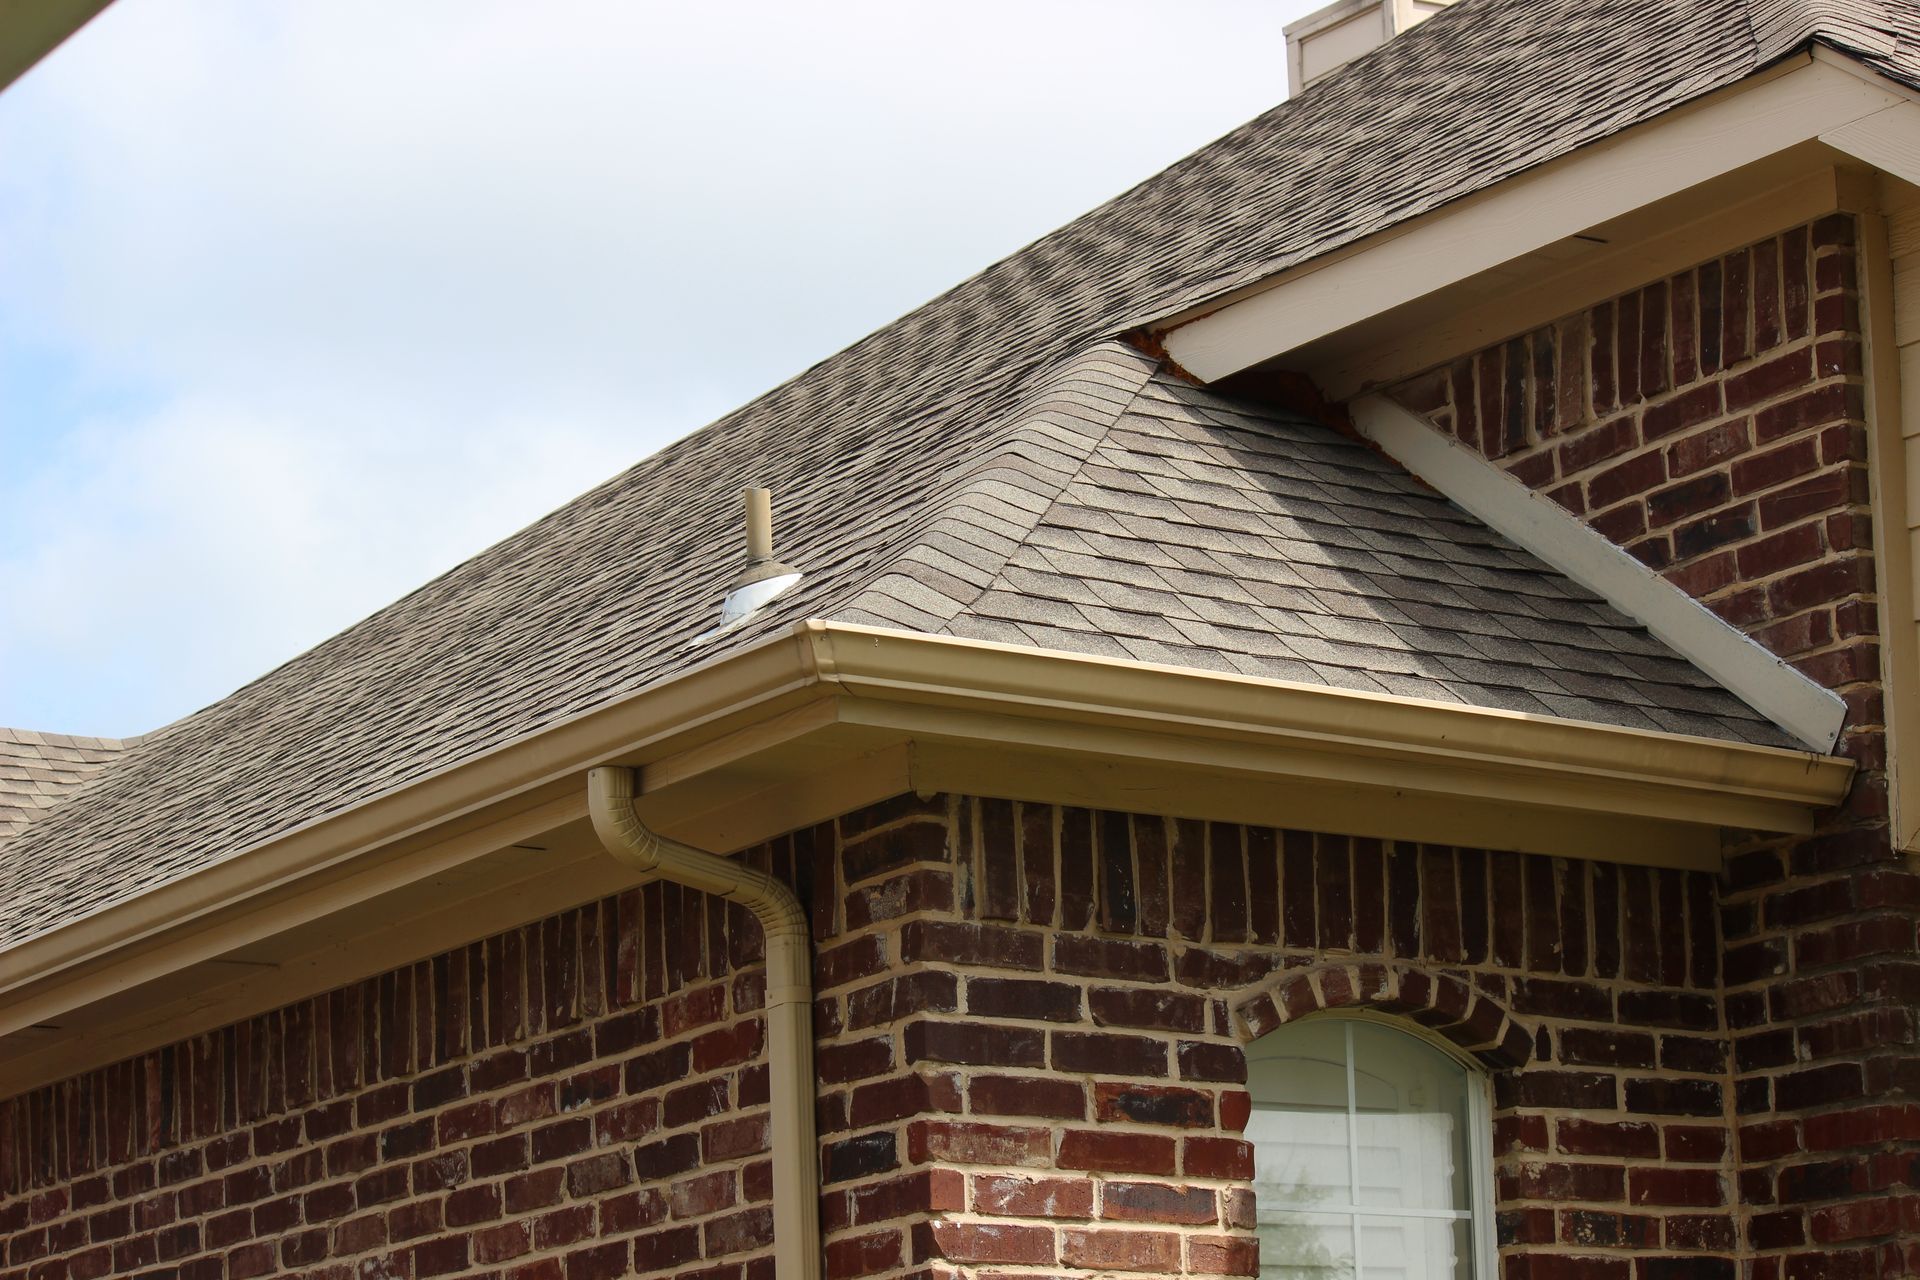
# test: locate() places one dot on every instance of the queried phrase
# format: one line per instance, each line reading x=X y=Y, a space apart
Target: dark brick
x=1634 y=476
x=1765 y=381
x=1095 y=1052
x=1152 y=1104
x=911 y=842
x=994 y=946
x=973 y=1044
x=1026 y=998
x=860 y=1157
x=1608 y=440
x=1221 y=1062
x=1689 y=497
x=1698 y=537
x=1147 y=1008
x=1677 y=413
x=1104 y=958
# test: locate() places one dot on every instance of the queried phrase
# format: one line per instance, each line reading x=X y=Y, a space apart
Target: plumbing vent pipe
x=760 y=561
x=764 y=577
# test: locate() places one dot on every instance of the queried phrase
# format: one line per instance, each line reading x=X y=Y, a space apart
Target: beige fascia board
x=1892 y=456
x=1801 y=100
x=763 y=680
x=1796 y=704
x=1383 y=739
x=1430 y=788
x=1848 y=64
x=96 y=970
x=1889 y=140
x=1218 y=791
x=1527 y=293
x=161 y=1005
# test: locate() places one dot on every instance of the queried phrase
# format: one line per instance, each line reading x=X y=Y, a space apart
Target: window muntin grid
x=1371 y=1155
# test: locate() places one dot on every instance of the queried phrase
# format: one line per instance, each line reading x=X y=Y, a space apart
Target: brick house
x=1352 y=712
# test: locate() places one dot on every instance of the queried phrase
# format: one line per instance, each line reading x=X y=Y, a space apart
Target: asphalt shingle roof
x=1201 y=532
x=993 y=464
x=39 y=770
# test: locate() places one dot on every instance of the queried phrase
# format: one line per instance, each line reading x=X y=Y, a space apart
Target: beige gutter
x=1321 y=733
x=1344 y=735
x=796 y=1157
x=821 y=707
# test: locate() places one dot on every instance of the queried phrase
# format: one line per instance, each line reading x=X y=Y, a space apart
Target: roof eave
x=783 y=718
x=722 y=715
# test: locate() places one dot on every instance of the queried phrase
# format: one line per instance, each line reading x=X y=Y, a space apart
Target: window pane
x=1412 y=1122
x=1306 y=1246
x=1299 y=1157
x=1415 y=1248
x=1299 y=1124
x=1354 y=1114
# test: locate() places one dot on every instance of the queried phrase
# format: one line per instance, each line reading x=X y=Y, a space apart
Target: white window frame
x=1479 y=1153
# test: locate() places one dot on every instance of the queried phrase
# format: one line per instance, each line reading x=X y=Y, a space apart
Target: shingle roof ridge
x=1062 y=416
x=40 y=771
x=1878 y=32
x=42 y=737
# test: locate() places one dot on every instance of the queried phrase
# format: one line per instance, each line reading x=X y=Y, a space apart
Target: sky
x=303 y=303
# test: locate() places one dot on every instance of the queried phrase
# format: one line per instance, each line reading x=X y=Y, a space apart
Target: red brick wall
x=1031 y=1022
x=573 y=1098
x=1711 y=424
x=1044 y=1059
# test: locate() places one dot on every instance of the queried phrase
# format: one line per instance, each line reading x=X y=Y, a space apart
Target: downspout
x=796 y=1154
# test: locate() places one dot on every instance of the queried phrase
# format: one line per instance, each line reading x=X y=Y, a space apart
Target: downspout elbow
x=611 y=792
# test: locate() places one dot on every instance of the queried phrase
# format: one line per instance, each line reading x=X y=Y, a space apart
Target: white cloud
x=389 y=280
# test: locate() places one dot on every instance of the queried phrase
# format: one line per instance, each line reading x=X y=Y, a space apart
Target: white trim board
x=1652 y=243
x=1888 y=140
x=1812 y=100
x=1810 y=713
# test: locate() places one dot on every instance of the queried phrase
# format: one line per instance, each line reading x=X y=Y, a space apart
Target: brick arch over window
x=1442 y=1002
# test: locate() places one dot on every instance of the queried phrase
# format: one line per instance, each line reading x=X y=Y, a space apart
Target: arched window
x=1371 y=1155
